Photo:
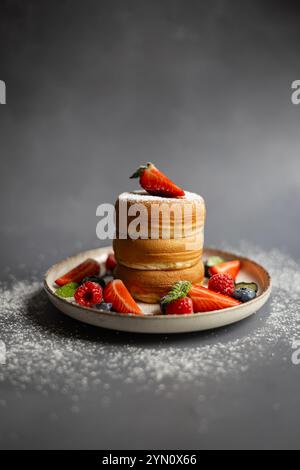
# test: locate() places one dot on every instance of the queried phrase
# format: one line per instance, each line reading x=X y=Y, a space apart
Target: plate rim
x=108 y=249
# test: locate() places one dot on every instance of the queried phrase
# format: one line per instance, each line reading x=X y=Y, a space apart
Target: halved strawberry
x=230 y=267
x=205 y=300
x=118 y=295
x=110 y=263
x=89 y=267
x=156 y=183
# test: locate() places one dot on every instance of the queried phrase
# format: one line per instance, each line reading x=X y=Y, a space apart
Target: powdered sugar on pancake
x=142 y=196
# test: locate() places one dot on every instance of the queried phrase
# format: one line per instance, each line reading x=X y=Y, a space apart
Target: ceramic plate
x=152 y=322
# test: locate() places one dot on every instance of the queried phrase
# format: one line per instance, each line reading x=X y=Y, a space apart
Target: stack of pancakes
x=169 y=247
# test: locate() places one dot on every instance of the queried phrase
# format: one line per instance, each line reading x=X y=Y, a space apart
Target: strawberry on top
x=156 y=183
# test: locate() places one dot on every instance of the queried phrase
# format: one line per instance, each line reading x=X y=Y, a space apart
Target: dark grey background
x=201 y=88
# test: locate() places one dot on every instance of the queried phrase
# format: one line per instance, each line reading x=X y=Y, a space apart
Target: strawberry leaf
x=139 y=171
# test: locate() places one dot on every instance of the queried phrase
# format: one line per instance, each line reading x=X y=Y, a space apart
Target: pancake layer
x=150 y=286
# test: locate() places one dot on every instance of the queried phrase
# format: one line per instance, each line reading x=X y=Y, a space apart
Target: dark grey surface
x=203 y=90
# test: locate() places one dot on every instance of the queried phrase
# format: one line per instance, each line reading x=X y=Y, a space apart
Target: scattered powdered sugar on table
x=47 y=351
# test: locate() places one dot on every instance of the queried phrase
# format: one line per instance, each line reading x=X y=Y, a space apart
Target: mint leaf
x=68 y=290
x=214 y=260
x=247 y=285
x=178 y=291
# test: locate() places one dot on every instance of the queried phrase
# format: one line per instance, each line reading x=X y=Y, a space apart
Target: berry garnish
x=89 y=267
x=222 y=283
x=230 y=267
x=156 y=183
x=244 y=295
x=110 y=263
x=179 y=290
x=212 y=261
x=247 y=285
x=118 y=295
x=96 y=279
x=68 y=290
x=180 y=306
x=104 y=306
x=206 y=300
x=89 y=294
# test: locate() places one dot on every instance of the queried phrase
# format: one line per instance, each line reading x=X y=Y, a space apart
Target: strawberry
x=222 y=283
x=205 y=300
x=122 y=301
x=156 y=183
x=229 y=267
x=110 y=263
x=180 y=306
x=89 y=267
x=178 y=291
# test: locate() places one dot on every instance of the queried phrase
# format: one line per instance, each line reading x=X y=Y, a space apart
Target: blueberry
x=244 y=295
x=98 y=280
x=104 y=306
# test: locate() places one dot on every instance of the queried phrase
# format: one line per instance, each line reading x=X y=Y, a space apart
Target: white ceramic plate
x=155 y=323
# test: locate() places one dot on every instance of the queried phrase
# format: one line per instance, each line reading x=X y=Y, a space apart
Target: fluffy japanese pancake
x=172 y=230
x=158 y=242
x=150 y=286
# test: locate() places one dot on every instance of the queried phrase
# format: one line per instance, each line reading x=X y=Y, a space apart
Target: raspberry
x=222 y=283
x=89 y=294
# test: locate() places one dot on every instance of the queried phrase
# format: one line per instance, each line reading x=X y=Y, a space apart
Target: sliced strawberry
x=205 y=300
x=110 y=263
x=156 y=183
x=230 y=267
x=180 y=306
x=89 y=267
x=118 y=295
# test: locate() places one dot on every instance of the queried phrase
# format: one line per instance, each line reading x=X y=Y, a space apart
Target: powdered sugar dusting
x=142 y=196
x=47 y=351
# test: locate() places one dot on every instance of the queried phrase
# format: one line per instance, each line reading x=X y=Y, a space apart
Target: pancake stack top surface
x=159 y=241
